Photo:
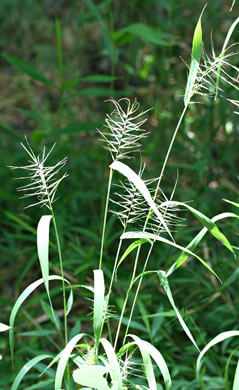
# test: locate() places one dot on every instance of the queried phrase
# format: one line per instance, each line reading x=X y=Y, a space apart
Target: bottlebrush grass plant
x=104 y=360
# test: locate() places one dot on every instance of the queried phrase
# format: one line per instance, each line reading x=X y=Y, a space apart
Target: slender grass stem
x=139 y=248
x=63 y=289
x=105 y=217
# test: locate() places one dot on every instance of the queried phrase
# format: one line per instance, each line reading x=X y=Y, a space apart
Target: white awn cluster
x=43 y=182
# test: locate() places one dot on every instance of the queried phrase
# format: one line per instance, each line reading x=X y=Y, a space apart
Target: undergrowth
x=112 y=357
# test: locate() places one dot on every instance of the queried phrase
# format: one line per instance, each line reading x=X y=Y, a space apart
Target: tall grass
x=109 y=357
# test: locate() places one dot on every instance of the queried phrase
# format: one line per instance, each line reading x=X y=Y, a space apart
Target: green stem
x=139 y=248
x=63 y=288
x=105 y=217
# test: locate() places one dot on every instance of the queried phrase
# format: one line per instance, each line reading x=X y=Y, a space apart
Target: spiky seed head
x=43 y=179
x=122 y=132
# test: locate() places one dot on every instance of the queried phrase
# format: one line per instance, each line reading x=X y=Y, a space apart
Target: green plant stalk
x=105 y=217
x=139 y=248
x=63 y=288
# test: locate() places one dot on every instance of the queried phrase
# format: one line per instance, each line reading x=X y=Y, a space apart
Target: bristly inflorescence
x=122 y=132
x=43 y=182
x=214 y=69
x=132 y=208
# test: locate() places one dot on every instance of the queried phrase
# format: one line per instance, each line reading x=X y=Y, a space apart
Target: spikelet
x=122 y=132
x=43 y=182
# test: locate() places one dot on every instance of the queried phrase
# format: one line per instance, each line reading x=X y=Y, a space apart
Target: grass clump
x=112 y=357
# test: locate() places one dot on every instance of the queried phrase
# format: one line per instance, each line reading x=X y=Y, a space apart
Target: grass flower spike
x=123 y=131
x=43 y=183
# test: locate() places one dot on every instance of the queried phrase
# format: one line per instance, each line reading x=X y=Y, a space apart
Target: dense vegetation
x=63 y=67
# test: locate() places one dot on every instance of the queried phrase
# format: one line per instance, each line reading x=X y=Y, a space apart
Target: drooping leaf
x=24 y=295
x=165 y=284
x=154 y=237
x=28 y=69
x=113 y=363
x=194 y=243
x=146 y=33
x=64 y=357
x=141 y=187
x=147 y=350
x=24 y=370
x=218 y=339
x=205 y=221
x=131 y=247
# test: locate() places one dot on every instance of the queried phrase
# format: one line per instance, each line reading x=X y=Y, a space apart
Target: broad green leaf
x=154 y=237
x=113 y=363
x=194 y=243
x=24 y=370
x=24 y=295
x=29 y=69
x=40 y=385
x=38 y=333
x=141 y=187
x=195 y=61
x=147 y=349
x=3 y=327
x=64 y=357
x=205 y=221
x=146 y=33
x=218 y=339
x=132 y=246
x=98 y=317
x=165 y=284
x=92 y=377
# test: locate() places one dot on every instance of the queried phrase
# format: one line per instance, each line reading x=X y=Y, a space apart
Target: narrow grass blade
x=154 y=237
x=147 y=349
x=141 y=187
x=233 y=3
x=165 y=284
x=218 y=339
x=195 y=61
x=43 y=255
x=228 y=36
x=3 y=327
x=205 y=221
x=43 y=248
x=113 y=363
x=132 y=246
x=99 y=292
x=24 y=370
x=233 y=203
x=91 y=377
x=24 y=295
x=194 y=243
x=236 y=378
x=29 y=69
x=65 y=355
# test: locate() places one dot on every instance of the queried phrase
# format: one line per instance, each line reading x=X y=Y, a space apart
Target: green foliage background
x=88 y=52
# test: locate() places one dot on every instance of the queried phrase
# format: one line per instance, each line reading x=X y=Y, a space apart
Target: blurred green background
x=61 y=61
